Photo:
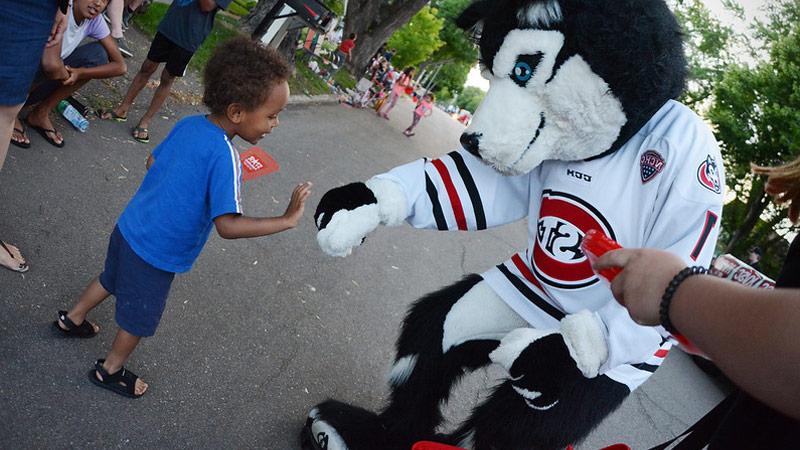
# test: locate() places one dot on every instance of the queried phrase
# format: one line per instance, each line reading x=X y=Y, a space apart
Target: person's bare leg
x=8 y=113
x=114 y=11
x=40 y=115
x=159 y=97
x=121 y=349
x=93 y=295
x=139 y=82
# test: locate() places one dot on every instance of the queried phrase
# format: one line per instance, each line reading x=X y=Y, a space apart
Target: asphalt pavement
x=261 y=329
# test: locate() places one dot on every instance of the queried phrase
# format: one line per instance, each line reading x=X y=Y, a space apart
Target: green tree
x=746 y=84
x=418 y=39
x=458 y=54
x=470 y=98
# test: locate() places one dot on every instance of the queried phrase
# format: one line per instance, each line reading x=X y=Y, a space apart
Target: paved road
x=260 y=329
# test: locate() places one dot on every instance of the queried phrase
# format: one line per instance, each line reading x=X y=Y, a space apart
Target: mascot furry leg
x=458 y=329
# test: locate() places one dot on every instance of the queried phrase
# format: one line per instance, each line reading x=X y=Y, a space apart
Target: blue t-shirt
x=196 y=177
x=186 y=25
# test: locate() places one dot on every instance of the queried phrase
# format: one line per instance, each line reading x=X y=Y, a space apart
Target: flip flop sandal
x=109 y=114
x=123 y=381
x=43 y=133
x=18 y=143
x=22 y=267
x=137 y=133
x=84 y=330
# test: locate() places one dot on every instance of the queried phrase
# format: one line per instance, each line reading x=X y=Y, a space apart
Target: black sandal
x=84 y=330
x=123 y=381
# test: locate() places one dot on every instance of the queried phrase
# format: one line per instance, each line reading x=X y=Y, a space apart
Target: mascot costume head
x=579 y=131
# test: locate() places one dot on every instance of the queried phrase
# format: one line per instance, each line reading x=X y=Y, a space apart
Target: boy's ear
x=235 y=113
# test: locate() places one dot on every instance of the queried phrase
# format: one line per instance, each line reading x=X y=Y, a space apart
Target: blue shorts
x=141 y=289
x=25 y=28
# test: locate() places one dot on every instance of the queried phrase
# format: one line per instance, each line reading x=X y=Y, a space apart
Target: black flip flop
x=84 y=330
x=43 y=133
x=22 y=267
x=123 y=381
x=21 y=144
x=138 y=131
x=110 y=115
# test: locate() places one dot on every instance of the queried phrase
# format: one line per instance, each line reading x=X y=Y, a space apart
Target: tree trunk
x=256 y=15
x=374 y=21
x=757 y=202
x=288 y=46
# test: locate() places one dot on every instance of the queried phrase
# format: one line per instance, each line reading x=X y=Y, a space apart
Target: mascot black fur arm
x=579 y=131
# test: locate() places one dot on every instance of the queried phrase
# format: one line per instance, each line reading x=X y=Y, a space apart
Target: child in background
x=401 y=84
x=180 y=33
x=193 y=182
x=424 y=109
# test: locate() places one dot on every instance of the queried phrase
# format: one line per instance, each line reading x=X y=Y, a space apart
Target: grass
x=304 y=82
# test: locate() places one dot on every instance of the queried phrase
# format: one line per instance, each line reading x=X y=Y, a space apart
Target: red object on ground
x=594 y=245
x=256 y=162
x=428 y=445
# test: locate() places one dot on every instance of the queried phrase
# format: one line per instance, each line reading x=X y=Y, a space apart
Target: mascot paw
x=345 y=215
x=333 y=425
x=543 y=363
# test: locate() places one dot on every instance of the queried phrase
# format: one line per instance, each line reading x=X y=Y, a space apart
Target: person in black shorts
x=183 y=29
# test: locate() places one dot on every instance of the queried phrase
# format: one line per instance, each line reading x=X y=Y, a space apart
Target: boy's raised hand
x=297 y=203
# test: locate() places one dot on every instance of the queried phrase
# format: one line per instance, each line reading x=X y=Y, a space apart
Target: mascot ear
x=474 y=13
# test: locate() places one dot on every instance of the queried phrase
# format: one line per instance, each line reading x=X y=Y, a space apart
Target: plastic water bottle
x=73 y=116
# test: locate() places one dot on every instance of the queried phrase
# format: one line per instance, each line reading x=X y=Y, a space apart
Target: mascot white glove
x=345 y=215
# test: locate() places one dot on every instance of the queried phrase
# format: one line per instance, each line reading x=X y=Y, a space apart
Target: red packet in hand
x=256 y=162
x=594 y=245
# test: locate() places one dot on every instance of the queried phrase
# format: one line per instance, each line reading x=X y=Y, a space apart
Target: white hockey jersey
x=662 y=189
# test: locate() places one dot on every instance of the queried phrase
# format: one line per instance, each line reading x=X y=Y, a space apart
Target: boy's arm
x=235 y=226
x=113 y=68
x=52 y=64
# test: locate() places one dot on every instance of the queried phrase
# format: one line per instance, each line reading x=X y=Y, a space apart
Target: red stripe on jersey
x=525 y=271
x=661 y=353
x=455 y=202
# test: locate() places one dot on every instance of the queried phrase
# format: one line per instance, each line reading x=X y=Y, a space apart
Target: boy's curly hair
x=242 y=71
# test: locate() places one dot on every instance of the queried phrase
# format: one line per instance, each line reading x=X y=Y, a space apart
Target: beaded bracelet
x=666 y=299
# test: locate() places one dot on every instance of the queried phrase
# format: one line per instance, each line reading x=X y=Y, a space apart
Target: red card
x=256 y=162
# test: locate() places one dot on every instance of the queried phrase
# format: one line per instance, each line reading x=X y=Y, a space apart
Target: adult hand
x=74 y=75
x=57 y=32
x=644 y=277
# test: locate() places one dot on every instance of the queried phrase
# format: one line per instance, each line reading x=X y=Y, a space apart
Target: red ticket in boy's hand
x=594 y=245
x=256 y=162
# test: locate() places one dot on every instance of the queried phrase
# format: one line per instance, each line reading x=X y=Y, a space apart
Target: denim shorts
x=141 y=290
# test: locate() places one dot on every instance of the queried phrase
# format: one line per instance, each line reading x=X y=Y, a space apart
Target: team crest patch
x=650 y=165
x=557 y=259
x=708 y=175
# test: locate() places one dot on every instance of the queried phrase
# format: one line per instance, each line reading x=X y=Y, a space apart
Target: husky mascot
x=579 y=131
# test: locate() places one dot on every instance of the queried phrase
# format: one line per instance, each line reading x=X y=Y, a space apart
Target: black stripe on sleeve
x=646 y=367
x=433 y=194
x=472 y=189
x=530 y=295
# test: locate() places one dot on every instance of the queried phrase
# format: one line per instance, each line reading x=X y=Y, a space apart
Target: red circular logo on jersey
x=563 y=221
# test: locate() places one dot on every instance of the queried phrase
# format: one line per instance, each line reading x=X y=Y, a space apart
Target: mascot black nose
x=470 y=143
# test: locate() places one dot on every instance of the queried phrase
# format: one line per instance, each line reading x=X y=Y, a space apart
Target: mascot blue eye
x=523 y=69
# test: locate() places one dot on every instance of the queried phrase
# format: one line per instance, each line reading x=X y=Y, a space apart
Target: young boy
x=423 y=109
x=69 y=66
x=183 y=29
x=193 y=181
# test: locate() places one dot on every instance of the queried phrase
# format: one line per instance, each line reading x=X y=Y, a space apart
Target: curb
x=312 y=99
